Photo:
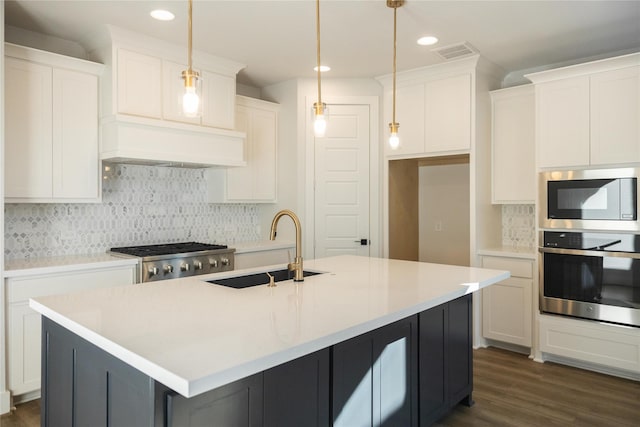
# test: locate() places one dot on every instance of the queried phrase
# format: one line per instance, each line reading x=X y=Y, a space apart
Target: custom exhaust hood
x=143 y=141
x=142 y=121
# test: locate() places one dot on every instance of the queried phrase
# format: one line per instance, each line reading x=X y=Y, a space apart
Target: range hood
x=137 y=140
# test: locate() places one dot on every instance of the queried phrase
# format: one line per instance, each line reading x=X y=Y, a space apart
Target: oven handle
x=564 y=251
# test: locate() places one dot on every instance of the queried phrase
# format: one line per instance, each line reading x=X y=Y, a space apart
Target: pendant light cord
x=189 y=38
x=395 y=10
x=318 y=49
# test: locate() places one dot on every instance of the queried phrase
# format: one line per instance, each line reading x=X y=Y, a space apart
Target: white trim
x=375 y=202
x=5 y=397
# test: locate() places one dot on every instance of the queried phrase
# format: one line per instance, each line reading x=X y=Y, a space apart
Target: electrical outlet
x=438 y=226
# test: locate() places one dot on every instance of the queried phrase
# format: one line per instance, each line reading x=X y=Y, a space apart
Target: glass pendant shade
x=394 y=138
x=191 y=104
x=319 y=120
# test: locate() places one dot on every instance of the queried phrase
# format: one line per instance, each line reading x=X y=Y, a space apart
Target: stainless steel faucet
x=296 y=265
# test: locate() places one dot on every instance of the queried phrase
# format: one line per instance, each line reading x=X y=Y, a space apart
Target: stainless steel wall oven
x=593 y=275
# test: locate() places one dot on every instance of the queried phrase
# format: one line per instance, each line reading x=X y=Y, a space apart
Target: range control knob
x=213 y=262
x=224 y=261
x=184 y=266
x=197 y=265
x=153 y=271
x=167 y=269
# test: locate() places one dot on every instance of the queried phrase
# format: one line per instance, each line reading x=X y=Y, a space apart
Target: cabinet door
x=139 y=84
x=447 y=109
x=375 y=377
x=219 y=99
x=506 y=311
x=513 y=145
x=76 y=166
x=410 y=116
x=239 y=180
x=23 y=341
x=459 y=354
x=562 y=114
x=28 y=127
x=615 y=116
x=432 y=364
x=238 y=404
x=263 y=159
x=296 y=393
x=445 y=358
x=172 y=92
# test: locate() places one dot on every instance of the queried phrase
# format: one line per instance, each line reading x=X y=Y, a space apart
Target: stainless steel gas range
x=175 y=260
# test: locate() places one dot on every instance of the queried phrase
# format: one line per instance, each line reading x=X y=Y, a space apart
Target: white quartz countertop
x=49 y=265
x=193 y=336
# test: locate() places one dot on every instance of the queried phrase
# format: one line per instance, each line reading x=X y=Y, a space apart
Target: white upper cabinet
x=257 y=181
x=615 y=116
x=218 y=97
x=563 y=122
x=434 y=109
x=513 y=145
x=51 y=129
x=139 y=84
x=589 y=114
x=447 y=118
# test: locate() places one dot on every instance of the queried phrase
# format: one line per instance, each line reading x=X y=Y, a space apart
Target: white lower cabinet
x=592 y=343
x=23 y=324
x=507 y=305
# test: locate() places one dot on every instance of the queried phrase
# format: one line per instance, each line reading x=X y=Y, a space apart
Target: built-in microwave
x=593 y=199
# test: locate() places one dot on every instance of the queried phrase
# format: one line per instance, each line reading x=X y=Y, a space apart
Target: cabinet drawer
x=23 y=288
x=517 y=267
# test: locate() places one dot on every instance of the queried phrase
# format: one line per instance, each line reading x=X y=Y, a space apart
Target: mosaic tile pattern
x=519 y=225
x=140 y=205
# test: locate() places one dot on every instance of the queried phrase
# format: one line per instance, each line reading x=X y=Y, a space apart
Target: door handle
x=363 y=242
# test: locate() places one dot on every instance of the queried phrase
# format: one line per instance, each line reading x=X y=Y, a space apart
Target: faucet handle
x=272 y=281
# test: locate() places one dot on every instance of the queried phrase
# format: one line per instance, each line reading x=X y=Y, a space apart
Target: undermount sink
x=256 y=279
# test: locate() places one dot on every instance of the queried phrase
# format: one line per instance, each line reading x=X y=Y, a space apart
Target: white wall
x=444 y=214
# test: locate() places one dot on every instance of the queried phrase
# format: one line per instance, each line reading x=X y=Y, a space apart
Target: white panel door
x=139 y=84
x=342 y=183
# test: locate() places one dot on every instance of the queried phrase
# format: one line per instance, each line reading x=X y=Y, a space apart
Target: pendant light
x=319 y=108
x=394 y=139
x=191 y=105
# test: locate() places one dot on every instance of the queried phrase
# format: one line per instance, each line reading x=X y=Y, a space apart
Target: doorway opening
x=429 y=209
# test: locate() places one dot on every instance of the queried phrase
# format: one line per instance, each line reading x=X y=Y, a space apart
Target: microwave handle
x=564 y=251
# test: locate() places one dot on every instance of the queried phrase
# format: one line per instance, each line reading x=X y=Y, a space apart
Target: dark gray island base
x=409 y=373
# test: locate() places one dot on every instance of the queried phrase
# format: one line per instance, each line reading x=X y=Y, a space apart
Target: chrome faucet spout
x=296 y=265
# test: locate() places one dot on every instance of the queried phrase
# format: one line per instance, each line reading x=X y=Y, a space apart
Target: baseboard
x=509 y=347
x=5 y=401
x=607 y=370
x=26 y=397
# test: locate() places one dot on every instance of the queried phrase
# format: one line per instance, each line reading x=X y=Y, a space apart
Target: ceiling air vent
x=455 y=51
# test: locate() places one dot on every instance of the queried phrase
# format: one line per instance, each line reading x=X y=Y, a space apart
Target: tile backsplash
x=519 y=225
x=140 y=205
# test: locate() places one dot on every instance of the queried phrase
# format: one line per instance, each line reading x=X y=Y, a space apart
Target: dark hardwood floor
x=509 y=390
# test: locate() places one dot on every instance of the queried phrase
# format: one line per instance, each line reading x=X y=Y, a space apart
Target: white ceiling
x=276 y=39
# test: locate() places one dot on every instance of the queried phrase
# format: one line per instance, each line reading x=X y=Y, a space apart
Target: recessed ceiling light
x=162 y=15
x=427 y=40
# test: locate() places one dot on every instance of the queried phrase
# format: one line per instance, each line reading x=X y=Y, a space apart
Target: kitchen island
x=351 y=346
